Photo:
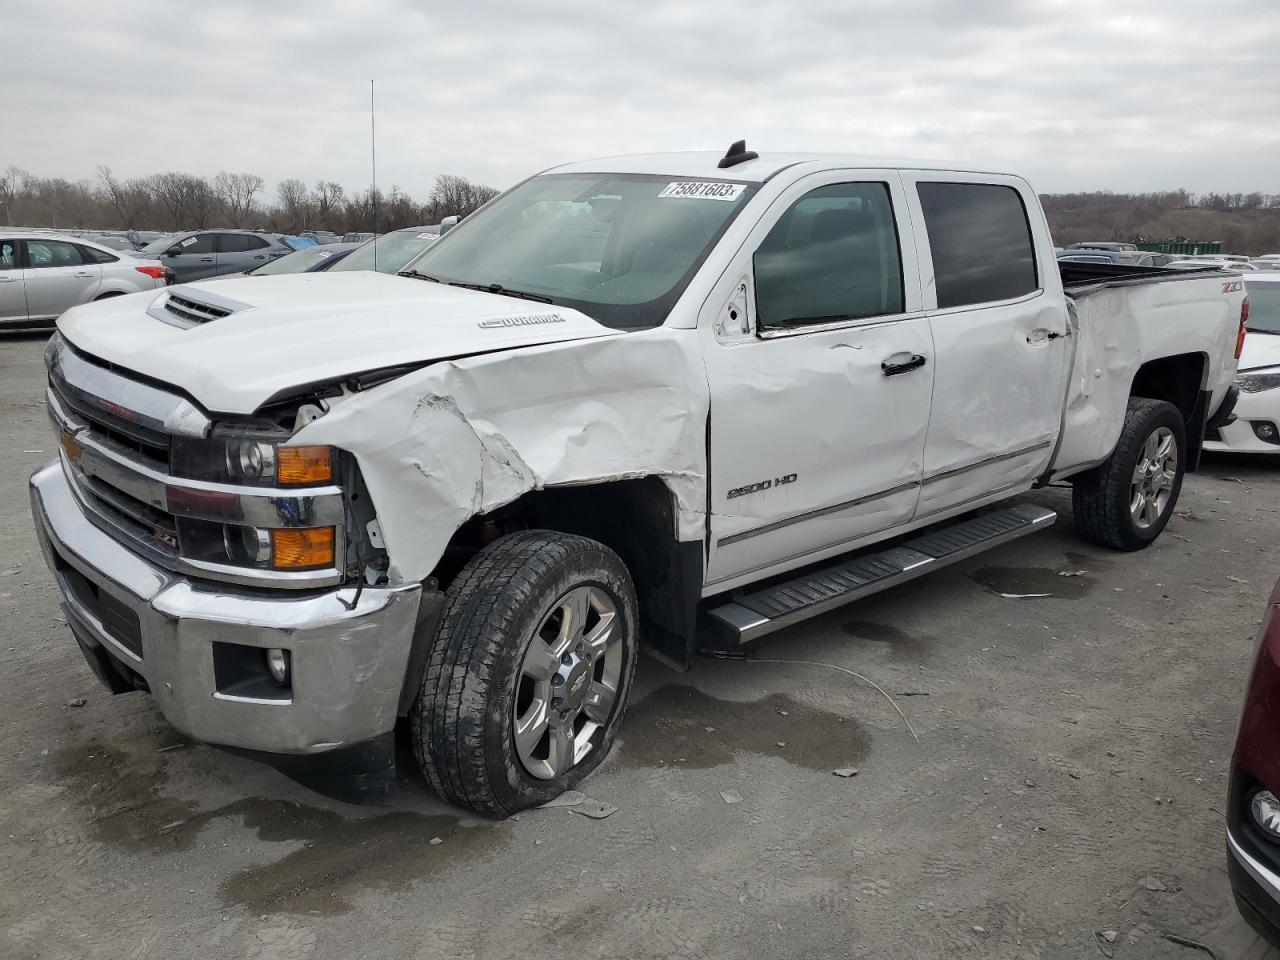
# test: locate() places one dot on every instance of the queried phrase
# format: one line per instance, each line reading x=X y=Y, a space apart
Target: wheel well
x=108 y=295
x=1175 y=379
x=1179 y=380
x=634 y=518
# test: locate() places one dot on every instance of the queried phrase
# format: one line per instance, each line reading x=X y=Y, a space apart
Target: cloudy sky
x=1077 y=94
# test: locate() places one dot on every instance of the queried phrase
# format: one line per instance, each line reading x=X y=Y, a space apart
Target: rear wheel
x=529 y=674
x=1126 y=501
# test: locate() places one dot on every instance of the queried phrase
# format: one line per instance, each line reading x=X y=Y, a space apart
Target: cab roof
x=703 y=164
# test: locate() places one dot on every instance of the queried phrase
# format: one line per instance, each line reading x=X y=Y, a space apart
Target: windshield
x=392 y=250
x=1264 y=307
x=297 y=262
x=619 y=247
x=161 y=243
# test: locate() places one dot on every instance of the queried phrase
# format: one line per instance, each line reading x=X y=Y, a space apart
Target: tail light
x=1244 y=319
x=155 y=273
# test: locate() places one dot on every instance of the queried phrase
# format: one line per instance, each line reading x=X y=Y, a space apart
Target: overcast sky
x=1077 y=94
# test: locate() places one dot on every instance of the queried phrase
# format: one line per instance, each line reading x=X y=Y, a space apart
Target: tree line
x=184 y=201
x=1245 y=222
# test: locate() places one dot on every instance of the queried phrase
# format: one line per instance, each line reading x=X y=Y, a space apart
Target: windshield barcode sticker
x=702 y=190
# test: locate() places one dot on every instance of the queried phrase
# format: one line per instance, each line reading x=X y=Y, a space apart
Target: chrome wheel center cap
x=570 y=683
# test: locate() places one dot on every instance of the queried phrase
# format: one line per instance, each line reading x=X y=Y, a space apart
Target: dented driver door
x=820 y=370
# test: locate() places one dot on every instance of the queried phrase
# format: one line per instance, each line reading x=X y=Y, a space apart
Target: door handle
x=86 y=276
x=906 y=366
x=259 y=257
x=206 y=259
x=8 y=279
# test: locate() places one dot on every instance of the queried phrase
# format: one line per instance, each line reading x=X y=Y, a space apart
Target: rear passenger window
x=52 y=253
x=8 y=254
x=981 y=242
x=233 y=242
x=832 y=256
x=255 y=243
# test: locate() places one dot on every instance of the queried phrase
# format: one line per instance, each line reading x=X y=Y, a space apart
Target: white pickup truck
x=680 y=400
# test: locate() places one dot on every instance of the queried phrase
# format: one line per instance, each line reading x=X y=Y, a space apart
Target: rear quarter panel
x=1120 y=328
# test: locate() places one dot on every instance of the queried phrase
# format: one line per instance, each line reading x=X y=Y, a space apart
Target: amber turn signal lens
x=304 y=465
x=302 y=549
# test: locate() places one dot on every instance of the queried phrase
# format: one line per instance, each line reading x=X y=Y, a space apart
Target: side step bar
x=753 y=615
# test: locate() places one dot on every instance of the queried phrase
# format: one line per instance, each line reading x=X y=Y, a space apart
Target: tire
x=475 y=723
x=1105 y=500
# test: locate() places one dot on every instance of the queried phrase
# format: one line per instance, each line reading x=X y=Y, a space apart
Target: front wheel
x=1126 y=501
x=529 y=674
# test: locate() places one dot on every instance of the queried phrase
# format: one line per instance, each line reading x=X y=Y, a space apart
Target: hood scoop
x=183 y=308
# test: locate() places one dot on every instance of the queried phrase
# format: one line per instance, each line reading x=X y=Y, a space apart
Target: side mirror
x=173 y=251
x=448 y=223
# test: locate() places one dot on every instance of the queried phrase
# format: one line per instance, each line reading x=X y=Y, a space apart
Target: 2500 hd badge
x=762 y=485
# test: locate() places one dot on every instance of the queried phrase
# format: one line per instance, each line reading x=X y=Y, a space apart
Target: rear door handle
x=892 y=369
x=259 y=257
x=8 y=279
x=206 y=259
x=86 y=276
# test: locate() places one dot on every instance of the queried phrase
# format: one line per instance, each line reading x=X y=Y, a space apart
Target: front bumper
x=348 y=666
x=1256 y=889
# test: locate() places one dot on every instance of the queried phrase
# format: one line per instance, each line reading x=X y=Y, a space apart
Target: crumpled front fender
x=462 y=437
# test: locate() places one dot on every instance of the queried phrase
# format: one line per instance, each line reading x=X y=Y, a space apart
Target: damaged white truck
x=680 y=401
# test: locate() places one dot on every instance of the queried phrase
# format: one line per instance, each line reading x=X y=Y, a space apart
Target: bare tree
x=131 y=200
x=235 y=191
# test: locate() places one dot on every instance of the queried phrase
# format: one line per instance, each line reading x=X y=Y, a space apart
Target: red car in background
x=1253 y=811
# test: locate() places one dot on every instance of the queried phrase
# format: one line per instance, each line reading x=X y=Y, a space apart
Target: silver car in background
x=44 y=274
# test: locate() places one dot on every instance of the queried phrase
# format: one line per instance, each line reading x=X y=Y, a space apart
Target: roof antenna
x=738 y=153
x=373 y=164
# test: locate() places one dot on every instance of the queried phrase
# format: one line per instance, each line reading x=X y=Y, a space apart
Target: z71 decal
x=1233 y=286
x=762 y=485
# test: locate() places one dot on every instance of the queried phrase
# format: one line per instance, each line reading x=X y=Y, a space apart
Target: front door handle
x=8 y=279
x=914 y=362
x=259 y=257
x=206 y=259
x=85 y=276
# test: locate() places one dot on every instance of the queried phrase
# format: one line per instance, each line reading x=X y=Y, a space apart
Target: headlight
x=1257 y=382
x=251 y=461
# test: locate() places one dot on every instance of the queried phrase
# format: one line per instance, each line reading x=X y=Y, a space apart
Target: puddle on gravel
x=669 y=728
x=340 y=855
x=1033 y=580
x=901 y=645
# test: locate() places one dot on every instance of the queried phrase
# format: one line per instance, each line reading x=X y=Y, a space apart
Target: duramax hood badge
x=522 y=320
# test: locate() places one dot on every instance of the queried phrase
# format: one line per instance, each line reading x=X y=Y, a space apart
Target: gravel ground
x=1069 y=779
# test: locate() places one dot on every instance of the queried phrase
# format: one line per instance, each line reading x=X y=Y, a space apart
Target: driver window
x=832 y=257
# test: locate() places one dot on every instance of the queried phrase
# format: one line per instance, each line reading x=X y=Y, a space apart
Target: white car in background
x=1255 y=426
x=42 y=275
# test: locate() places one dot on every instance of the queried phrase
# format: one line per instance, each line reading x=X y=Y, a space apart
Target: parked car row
x=42 y=275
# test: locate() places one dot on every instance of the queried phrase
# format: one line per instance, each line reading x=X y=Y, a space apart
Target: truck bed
x=1078 y=277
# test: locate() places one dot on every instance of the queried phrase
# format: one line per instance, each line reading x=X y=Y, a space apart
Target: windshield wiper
x=500 y=289
x=419 y=276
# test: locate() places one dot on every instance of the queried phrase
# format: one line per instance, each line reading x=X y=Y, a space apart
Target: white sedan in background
x=1255 y=427
x=44 y=274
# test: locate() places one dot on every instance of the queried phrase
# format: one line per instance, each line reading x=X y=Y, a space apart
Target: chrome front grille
x=115 y=433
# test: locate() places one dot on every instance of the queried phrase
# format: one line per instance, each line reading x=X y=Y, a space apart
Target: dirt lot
x=1072 y=757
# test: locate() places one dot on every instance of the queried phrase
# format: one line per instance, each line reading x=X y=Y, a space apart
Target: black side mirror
x=173 y=251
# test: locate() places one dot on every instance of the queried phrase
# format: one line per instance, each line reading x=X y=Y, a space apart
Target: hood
x=1260 y=350
x=233 y=344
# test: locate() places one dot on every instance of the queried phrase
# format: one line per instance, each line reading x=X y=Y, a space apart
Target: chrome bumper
x=348 y=666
